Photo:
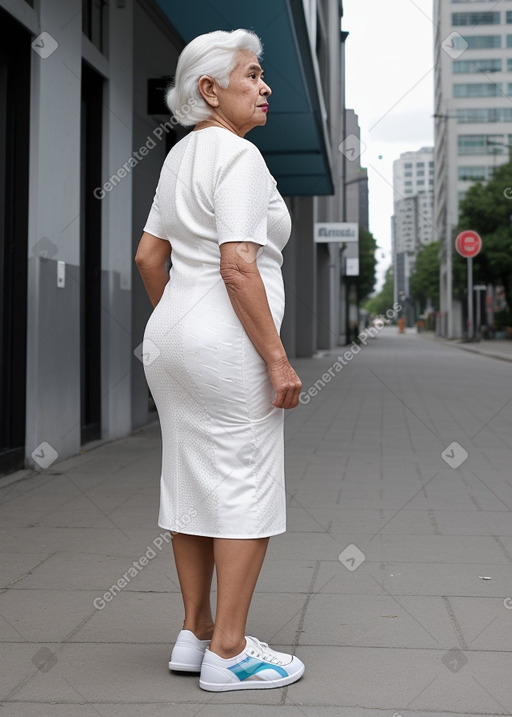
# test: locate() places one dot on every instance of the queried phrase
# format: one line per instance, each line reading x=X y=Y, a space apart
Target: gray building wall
x=156 y=47
x=53 y=325
x=53 y=331
x=330 y=324
x=117 y=258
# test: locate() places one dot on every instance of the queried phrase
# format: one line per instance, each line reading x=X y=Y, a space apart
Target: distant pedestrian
x=218 y=372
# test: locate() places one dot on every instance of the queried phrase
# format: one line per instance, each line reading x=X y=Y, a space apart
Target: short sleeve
x=241 y=197
x=154 y=222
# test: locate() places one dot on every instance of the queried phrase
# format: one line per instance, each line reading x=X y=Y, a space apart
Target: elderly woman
x=218 y=370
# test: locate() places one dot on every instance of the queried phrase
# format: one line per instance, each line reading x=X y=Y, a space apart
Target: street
x=393 y=582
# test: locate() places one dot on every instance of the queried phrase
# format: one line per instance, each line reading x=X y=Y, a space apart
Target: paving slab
x=405 y=680
x=465 y=579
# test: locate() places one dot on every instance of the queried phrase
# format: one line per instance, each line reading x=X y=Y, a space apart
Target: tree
x=488 y=210
x=367 y=263
x=424 y=282
x=379 y=304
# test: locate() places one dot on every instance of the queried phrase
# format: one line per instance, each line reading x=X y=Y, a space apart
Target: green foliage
x=488 y=210
x=379 y=304
x=424 y=282
x=367 y=263
x=502 y=319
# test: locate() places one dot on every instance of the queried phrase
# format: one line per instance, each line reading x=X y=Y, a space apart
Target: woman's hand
x=286 y=383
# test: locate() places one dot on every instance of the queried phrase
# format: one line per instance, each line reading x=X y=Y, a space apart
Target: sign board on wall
x=336 y=232
x=351 y=267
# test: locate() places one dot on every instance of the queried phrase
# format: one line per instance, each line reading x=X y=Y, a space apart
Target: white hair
x=213 y=54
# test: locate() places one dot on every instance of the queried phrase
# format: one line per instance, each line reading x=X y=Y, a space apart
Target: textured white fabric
x=222 y=440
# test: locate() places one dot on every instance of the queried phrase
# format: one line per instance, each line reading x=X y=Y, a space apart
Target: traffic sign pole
x=468 y=244
x=478 y=326
x=470 y=299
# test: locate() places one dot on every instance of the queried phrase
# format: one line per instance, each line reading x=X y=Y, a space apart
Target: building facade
x=473 y=117
x=412 y=221
x=357 y=211
x=83 y=134
x=356 y=177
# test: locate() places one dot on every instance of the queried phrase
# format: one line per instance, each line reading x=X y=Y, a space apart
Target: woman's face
x=244 y=102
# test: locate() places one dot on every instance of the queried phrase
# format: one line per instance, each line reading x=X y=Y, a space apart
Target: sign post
x=468 y=244
x=478 y=288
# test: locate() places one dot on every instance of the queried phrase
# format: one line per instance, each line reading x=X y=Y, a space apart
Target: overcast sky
x=390 y=85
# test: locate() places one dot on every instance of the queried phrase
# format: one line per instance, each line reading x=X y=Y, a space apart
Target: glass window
x=475 y=18
x=509 y=17
x=481 y=144
x=484 y=114
x=509 y=40
x=408 y=165
x=420 y=173
x=477 y=42
x=467 y=66
x=421 y=182
x=472 y=174
x=94 y=21
x=481 y=89
x=408 y=174
x=408 y=183
x=420 y=164
x=509 y=64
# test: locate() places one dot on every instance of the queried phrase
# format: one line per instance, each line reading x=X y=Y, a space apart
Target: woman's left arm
x=152 y=259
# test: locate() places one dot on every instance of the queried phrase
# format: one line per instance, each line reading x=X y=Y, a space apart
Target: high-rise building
x=355 y=200
x=473 y=112
x=412 y=221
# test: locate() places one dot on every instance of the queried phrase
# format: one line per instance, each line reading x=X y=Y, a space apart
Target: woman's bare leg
x=193 y=555
x=238 y=564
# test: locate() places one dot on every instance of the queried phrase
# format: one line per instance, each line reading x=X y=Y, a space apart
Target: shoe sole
x=251 y=685
x=183 y=667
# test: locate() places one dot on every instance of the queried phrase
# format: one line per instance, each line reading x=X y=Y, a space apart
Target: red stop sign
x=468 y=244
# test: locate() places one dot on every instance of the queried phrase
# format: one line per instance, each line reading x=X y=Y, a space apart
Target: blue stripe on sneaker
x=250 y=666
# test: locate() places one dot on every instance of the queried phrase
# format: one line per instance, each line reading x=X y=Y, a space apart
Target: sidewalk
x=393 y=582
x=496 y=348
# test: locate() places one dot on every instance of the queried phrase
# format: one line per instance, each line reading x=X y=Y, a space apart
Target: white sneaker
x=256 y=667
x=188 y=652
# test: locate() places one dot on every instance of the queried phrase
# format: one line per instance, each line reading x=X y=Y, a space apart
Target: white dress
x=222 y=440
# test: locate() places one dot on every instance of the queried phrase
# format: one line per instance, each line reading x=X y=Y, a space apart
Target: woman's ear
x=208 y=89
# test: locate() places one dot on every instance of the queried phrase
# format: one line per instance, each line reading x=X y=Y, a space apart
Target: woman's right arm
x=239 y=270
x=152 y=260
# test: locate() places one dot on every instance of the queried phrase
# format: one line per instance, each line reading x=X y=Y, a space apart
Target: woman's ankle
x=203 y=631
x=226 y=649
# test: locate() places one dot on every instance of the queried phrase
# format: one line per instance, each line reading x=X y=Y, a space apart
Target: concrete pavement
x=393 y=582
x=495 y=348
